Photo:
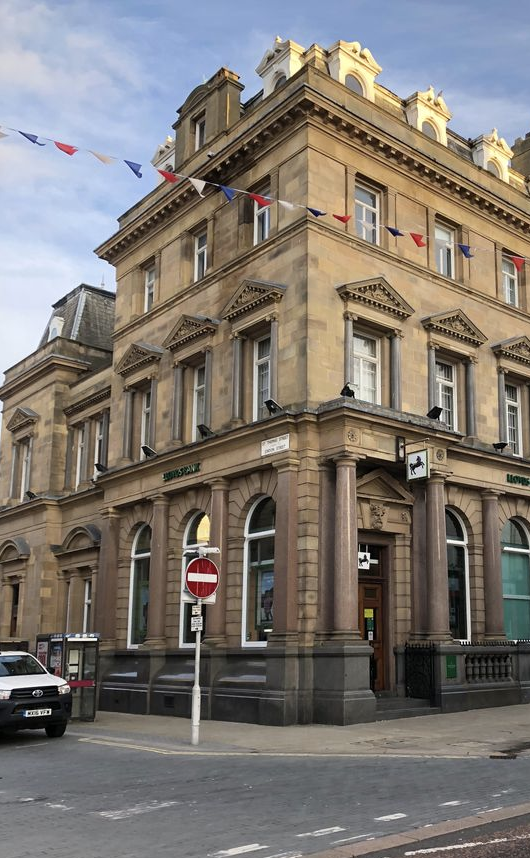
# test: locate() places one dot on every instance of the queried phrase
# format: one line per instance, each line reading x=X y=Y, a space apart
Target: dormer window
x=200 y=131
x=56 y=327
x=429 y=130
x=354 y=84
x=280 y=80
x=493 y=169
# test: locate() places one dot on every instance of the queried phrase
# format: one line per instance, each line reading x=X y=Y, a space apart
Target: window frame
x=461 y=543
x=133 y=576
x=259 y=410
x=261 y=217
x=513 y=428
x=452 y=386
x=145 y=420
x=149 y=287
x=506 y=550
x=199 y=131
x=25 y=454
x=361 y=227
x=199 y=399
x=87 y=605
x=376 y=361
x=249 y=538
x=80 y=454
x=445 y=250
x=200 y=255
x=510 y=282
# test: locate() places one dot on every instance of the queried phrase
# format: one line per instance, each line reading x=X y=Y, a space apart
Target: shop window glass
x=516 y=580
x=259 y=578
x=139 y=589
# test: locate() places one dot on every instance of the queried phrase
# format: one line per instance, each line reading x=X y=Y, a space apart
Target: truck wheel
x=55 y=731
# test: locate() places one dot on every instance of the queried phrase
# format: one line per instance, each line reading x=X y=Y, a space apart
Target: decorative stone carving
x=353 y=436
x=188 y=329
x=376 y=292
x=22 y=418
x=349 y=58
x=250 y=295
x=138 y=355
x=455 y=323
x=426 y=107
x=492 y=153
x=378 y=515
x=516 y=348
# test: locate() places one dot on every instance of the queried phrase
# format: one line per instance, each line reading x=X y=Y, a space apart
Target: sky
x=110 y=75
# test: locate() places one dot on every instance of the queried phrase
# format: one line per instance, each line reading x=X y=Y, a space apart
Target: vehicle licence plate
x=36 y=713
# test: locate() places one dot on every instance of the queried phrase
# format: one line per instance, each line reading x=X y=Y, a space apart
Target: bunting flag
x=228 y=192
x=105 y=159
x=33 y=138
x=199 y=185
x=420 y=239
x=261 y=201
x=64 y=147
x=134 y=167
x=169 y=177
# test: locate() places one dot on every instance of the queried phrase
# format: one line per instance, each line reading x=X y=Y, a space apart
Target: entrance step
x=389 y=708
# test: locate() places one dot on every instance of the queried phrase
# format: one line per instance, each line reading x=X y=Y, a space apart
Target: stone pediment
x=137 y=356
x=376 y=292
x=455 y=323
x=21 y=419
x=251 y=295
x=381 y=485
x=515 y=348
x=188 y=329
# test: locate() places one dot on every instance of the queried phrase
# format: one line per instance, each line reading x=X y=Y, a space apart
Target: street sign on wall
x=202 y=577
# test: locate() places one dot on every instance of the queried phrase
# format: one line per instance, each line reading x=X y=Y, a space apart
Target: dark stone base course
x=457 y=699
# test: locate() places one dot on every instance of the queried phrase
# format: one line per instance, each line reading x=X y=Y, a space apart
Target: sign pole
x=196 y=691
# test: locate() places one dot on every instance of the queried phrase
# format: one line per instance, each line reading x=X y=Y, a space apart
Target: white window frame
x=262 y=221
x=87 y=605
x=513 y=417
x=25 y=450
x=258 y=408
x=145 y=424
x=463 y=543
x=443 y=386
x=444 y=241
x=200 y=256
x=366 y=213
x=199 y=398
x=356 y=378
x=505 y=549
x=250 y=537
x=80 y=454
x=132 y=581
x=186 y=558
x=200 y=131
x=149 y=287
x=510 y=282
x=99 y=440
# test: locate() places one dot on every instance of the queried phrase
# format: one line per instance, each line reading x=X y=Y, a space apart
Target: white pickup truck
x=30 y=697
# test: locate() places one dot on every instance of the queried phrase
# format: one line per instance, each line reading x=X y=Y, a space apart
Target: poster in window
x=265 y=599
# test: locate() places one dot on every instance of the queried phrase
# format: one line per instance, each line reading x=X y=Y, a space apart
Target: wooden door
x=371 y=627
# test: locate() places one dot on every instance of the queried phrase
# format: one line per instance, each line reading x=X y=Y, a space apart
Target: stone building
x=340 y=405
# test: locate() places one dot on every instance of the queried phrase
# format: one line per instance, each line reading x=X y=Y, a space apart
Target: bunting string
x=420 y=239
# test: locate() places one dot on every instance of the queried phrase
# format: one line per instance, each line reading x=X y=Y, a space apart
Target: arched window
x=197 y=533
x=458 y=577
x=354 y=84
x=280 y=80
x=429 y=130
x=258 y=584
x=493 y=168
x=516 y=580
x=139 y=589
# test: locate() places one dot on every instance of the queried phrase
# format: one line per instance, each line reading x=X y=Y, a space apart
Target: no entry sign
x=202 y=577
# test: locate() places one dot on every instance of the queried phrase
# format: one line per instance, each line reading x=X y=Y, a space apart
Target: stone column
x=156 y=617
x=5 y=609
x=274 y=356
x=436 y=560
x=152 y=415
x=395 y=370
x=285 y=605
x=178 y=389
x=348 y=346
x=105 y=608
x=216 y=614
x=326 y=547
x=419 y=553
x=491 y=541
x=432 y=372
x=237 y=377
x=345 y=584
x=501 y=385
x=471 y=416
x=207 y=386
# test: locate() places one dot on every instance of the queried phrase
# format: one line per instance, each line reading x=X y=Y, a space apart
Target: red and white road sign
x=202 y=577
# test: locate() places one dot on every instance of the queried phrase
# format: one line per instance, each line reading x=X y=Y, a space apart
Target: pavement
x=477 y=733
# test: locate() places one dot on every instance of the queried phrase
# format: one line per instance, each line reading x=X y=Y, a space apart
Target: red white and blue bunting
x=262 y=201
